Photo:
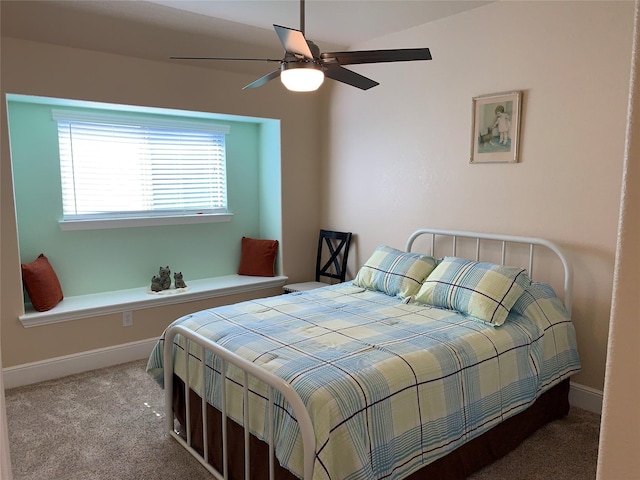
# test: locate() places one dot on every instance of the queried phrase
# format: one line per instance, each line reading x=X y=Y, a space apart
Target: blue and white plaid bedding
x=390 y=386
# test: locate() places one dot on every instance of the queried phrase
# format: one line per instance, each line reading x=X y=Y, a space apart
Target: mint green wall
x=270 y=187
x=112 y=259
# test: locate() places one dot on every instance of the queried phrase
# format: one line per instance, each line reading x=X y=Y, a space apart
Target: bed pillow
x=41 y=283
x=394 y=272
x=483 y=290
x=258 y=257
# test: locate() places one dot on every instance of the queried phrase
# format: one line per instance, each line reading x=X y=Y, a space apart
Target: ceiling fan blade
x=264 y=79
x=376 y=56
x=227 y=58
x=336 y=72
x=293 y=41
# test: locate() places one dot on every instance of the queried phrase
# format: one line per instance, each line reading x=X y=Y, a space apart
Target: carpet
x=109 y=424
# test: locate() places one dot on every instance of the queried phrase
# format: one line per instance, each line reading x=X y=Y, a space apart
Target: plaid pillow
x=394 y=272
x=483 y=290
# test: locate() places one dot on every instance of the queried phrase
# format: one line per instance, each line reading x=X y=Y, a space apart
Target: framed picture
x=495 y=128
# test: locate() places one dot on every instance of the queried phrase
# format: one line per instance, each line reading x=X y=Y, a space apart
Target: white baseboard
x=58 y=367
x=586 y=398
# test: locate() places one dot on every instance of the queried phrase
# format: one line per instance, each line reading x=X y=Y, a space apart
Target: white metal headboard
x=506 y=240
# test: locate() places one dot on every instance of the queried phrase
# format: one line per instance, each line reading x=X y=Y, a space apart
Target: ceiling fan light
x=301 y=77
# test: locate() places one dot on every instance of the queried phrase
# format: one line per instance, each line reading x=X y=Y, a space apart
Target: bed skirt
x=459 y=464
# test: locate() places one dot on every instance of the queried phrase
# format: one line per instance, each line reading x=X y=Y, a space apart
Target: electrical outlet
x=127 y=318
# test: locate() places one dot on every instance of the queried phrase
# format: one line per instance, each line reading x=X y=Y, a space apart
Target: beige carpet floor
x=108 y=424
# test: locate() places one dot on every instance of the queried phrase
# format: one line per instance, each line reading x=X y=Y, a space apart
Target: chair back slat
x=337 y=245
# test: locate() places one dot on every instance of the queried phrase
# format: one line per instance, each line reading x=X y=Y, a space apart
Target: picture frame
x=495 y=128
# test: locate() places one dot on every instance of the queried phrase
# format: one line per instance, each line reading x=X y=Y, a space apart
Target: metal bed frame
x=276 y=383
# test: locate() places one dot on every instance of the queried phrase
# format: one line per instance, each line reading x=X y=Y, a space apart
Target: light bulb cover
x=301 y=77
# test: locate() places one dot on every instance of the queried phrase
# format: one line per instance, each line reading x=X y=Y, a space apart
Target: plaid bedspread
x=390 y=386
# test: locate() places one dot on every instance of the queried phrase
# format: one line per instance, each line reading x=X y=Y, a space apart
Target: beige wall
x=47 y=70
x=398 y=155
x=620 y=432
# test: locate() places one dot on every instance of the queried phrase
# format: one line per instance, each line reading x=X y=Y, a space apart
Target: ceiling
x=159 y=29
x=344 y=23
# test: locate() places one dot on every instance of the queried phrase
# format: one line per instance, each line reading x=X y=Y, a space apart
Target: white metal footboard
x=249 y=369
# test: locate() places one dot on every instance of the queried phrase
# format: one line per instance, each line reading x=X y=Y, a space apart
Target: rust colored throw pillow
x=41 y=283
x=258 y=257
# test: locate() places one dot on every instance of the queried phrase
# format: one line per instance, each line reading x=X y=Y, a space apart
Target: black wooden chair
x=331 y=261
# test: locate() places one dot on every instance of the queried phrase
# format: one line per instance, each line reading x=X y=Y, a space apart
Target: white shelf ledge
x=117 y=301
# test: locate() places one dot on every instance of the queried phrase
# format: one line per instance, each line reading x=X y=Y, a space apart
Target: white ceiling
x=158 y=29
x=341 y=22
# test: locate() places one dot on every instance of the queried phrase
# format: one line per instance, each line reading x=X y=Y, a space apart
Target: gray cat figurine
x=178 y=281
x=165 y=277
x=156 y=283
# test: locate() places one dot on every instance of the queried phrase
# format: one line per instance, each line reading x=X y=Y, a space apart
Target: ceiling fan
x=304 y=68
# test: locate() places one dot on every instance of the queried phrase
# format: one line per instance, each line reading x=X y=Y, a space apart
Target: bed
x=433 y=362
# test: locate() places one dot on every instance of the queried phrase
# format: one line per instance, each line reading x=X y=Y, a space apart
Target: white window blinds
x=115 y=167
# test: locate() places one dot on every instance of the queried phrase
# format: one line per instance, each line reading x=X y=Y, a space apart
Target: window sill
x=97 y=224
x=82 y=306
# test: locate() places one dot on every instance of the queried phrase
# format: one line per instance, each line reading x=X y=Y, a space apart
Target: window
x=129 y=169
x=103 y=257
